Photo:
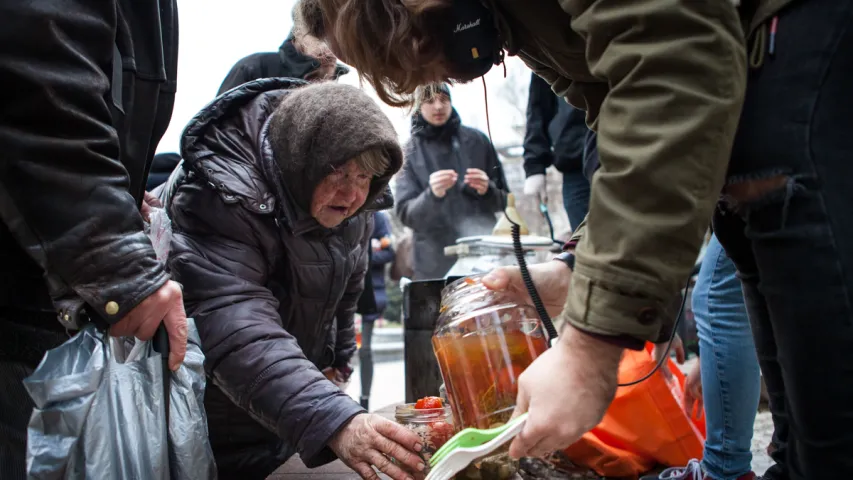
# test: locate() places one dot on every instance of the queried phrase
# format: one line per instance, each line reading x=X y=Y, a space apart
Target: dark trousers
x=575 y=196
x=793 y=243
x=22 y=347
x=242 y=447
x=365 y=357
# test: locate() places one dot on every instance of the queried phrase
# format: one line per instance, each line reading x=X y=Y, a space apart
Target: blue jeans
x=575 y=196
x=730 y=375
x=790 y=235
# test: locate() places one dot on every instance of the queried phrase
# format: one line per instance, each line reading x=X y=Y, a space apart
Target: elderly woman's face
x=340 y=195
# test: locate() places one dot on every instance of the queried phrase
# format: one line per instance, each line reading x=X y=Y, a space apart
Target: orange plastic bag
x=644 y=426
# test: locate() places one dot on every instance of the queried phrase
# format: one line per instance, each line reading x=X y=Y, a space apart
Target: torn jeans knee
x=743 y=194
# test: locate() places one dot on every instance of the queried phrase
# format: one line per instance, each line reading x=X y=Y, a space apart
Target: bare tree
x=515 y=86
x=514 y=91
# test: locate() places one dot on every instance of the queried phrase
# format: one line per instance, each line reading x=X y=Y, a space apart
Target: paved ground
x=388 y=388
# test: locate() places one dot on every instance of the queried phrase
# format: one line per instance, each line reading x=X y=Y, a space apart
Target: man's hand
x=165 y=305
x=551 y=279
x=535 y=185
x=477 y=179
x=693 y=402
x=441 y=181
x=369 y=440
x=660 y=350
x=149 y=201
x=565 y=392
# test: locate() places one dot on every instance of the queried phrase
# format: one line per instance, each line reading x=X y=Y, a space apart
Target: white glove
x=535 y=185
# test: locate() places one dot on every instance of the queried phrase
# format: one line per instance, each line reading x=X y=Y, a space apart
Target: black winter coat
x=438 y=222
x=286 y=62
x=555 y=131
x=88 y=89
x=272 y=292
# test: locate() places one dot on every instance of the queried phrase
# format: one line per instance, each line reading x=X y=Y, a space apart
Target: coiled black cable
x=528 y=281
x=518 y=250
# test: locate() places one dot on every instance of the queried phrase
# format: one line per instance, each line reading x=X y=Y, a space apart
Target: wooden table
x=294 y=469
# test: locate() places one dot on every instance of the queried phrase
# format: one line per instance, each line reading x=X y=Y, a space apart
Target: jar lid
x=408 y=412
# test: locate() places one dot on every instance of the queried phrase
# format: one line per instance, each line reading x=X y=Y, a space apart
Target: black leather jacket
x=88 y=89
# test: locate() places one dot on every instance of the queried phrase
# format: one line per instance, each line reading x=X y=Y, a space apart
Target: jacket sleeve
x=381 y=230
x=238 y=75
x=345 y=344
x=219 y=256
x=63 y=190
x=665 y=131
x=414 y=202
x=541 y=109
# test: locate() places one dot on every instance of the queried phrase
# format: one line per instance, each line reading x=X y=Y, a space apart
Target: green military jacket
x=663 y=84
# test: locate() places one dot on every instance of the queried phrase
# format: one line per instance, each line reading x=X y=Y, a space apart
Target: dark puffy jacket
x=88 y=89
x=374 y=298
x=286 y=62
x=273 y=293
x=555 y=131
x=438 y=222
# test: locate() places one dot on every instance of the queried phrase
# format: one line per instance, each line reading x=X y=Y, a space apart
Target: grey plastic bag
x=100 y=412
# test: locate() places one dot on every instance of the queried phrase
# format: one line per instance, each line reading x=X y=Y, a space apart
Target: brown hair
x=392 y=43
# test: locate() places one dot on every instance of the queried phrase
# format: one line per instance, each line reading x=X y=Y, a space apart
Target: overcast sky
x=214 y=35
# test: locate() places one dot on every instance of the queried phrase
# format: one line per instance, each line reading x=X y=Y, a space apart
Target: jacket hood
x=422 y=128
x=226 y=144
x=299 y=65
x=320 y=127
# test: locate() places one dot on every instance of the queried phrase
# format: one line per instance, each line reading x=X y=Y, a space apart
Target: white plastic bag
x=99 y=412
x=159 y=230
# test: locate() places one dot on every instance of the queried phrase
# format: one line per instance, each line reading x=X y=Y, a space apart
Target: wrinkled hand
x=369 y=440
x=165 y=305
x=441 y=181
x=535 y=185
x=149 y=201
x=551 y=279
x=660 y=350
x=565 y=392
x=693 y=403
x=477 y=179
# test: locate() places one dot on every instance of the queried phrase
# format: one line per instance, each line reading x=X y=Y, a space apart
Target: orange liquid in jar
x=481 y=368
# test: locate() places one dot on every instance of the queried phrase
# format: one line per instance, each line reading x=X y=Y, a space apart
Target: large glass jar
x=483 y=341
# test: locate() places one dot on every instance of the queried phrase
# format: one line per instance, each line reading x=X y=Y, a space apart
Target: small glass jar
x=483 y=340
x=434 y=426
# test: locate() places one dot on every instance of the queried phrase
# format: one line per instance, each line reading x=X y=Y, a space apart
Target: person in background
x=381 y=254
x=162 y=166
x=88 y=90
x=452 y=183
x=301 y=56
x=726 y=380
x=555 y=135
x=272 y=216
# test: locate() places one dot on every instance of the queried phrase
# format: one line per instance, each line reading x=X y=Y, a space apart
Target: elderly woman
x=272 y=214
